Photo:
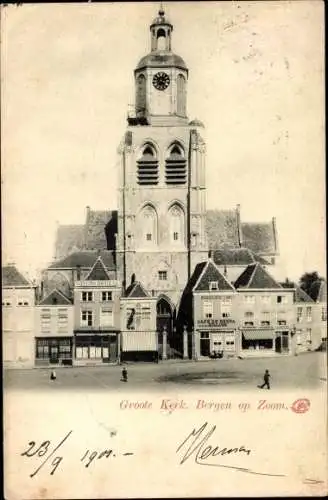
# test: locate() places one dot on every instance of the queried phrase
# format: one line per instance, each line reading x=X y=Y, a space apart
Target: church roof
x=161 y=60
x=69 y=238
x=256 y=277
x=85 y=259
x=98 y=272
x=136 y=290
x=222 y=228
x=210 y=273
x=10 y=276
x=261 y=238
x=100 y=228
x=236 y=257
x=55 y=297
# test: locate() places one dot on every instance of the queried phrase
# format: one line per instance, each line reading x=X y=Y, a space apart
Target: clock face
x=161 y=81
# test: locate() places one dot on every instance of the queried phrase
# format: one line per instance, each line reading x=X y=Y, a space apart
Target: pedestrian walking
x=53 y=375
x=266 y=378
x=124 y=375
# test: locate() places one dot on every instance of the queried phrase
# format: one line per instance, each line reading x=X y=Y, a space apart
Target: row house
x=54 y=319
x=18 y=300
x=265 y=313
x=139 y=340
x=96 y=317
x=253 y=316
x=207 y=312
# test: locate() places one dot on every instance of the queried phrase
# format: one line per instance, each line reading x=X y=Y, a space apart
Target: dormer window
x=214 y=285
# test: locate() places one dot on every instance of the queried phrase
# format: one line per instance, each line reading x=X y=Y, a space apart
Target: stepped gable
x=69 y=238
x=100 y=229
x=318 y=291
x=260 y=237
x=85 y=260
x=222 y=229
x=256 y=277
x=11 y=277
x=98 y=272
x=136 y=290
x=237 y=257
x=209 y=274
x=55 y=297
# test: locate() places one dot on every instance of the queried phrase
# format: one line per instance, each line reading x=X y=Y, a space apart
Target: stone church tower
x=162 y=192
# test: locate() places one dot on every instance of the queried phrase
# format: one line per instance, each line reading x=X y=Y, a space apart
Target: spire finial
x=161 y=10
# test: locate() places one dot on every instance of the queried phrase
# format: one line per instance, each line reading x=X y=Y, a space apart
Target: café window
x=106 y=296
x=265 y=318
x=6 y=303
x=265 y=299
x=308 y=336
x=23 y=302
x=309 y=314
x=208 y=309
x=299 y=314
x=86 y=296
x=45 y=320
x=225 y=310
x=86 y=318
x=282 y=299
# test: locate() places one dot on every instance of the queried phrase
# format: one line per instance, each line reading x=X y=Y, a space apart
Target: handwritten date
x=47 y=454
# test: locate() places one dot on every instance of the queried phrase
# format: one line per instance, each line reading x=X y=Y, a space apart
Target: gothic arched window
x=175 y=166
x=148 y=225
x=141 y=95
x=181 y=86
x=148 y=166
x=161 y=41
x=176 y=224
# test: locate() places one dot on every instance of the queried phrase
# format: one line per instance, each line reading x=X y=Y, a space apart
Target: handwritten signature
x=196 y=445
x=53 y=459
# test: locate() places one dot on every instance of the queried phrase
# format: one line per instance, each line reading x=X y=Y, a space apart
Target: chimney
x=210 y=254
x=240 y=234
x=78 y=272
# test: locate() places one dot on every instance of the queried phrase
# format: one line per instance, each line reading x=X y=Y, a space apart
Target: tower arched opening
x=175 y=166
x=147 y=166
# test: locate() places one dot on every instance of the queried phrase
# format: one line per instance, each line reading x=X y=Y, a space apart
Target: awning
x=258 y=334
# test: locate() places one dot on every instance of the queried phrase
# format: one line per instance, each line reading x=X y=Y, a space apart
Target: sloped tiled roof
x=318 y=291
x=55 y=297
x=261 y=238
x=211 y=273
x=194 y=277
x=98 y=272
x=85 y=259
x=136 y=290
x=10 y=276
x=222 y=228
x=237 y=257
x=256 y=277
x=301 y=296
x=69 y=238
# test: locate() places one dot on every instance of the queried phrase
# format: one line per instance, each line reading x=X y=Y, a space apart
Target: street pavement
x=304 y=371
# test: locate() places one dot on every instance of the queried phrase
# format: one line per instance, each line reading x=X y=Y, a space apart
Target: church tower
x=162 y=205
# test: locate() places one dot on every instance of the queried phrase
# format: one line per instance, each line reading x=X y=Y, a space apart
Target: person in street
x=266 y=378
x=53 y=375
x=124 y=375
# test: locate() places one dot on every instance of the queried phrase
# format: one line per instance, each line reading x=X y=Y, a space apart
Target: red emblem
x=301 y=406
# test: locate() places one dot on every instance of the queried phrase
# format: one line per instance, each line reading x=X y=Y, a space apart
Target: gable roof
x=210 y=273
x=10 y=276
x=194 y=277
x=301 y=296
x=256 y=277
x=260 y=237
x=98 y=272
x=236 y=257
x=136 y=290
x=318 y=291
x=55 y=297
x=85 y=259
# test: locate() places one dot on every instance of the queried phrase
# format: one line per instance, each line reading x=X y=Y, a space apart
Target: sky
x=255 y=80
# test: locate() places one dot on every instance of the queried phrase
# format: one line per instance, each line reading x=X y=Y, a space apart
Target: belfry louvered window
x=148 y=167
x=175 y=167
